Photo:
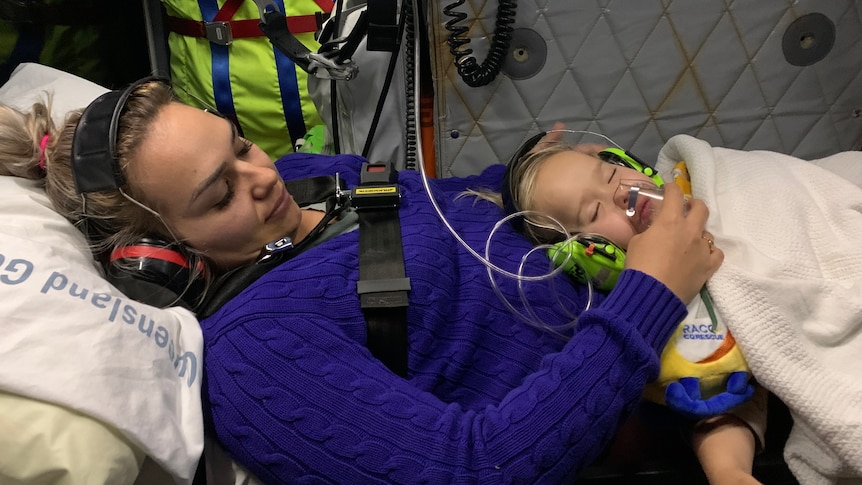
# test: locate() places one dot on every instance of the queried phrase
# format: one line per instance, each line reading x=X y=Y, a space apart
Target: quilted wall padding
x=641 y=71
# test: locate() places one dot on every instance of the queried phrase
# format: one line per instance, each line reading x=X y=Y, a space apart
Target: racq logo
x=703 y=331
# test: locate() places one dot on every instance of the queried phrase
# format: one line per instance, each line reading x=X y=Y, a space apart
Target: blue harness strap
x=289 y=88
x=222 y=92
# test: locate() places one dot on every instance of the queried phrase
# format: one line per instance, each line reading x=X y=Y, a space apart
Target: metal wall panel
x=641 y=71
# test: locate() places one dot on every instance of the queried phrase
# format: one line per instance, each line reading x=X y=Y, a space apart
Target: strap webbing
x=383 y=287
x=241 y=29
x=312 y=190
x=283 y=40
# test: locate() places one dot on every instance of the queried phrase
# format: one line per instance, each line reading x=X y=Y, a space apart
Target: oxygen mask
x=644 y=200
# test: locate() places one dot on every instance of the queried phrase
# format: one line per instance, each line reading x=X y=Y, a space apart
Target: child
x=581 y=192
x=789 y=285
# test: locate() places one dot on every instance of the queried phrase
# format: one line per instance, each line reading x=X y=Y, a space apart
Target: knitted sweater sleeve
x=297 y=398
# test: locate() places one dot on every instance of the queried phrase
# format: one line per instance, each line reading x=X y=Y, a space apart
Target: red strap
x=297 y=24
x=300 y=24
x=325 y=5
x=240 y=28
x=227 y=11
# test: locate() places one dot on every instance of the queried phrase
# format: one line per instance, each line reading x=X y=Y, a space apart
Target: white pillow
x=72 y=339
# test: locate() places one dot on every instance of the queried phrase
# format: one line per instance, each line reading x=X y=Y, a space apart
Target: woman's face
x=583 y=193
x=218 y=193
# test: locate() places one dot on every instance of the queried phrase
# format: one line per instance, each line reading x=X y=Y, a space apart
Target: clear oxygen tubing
x=529 y=316
x=532 y=318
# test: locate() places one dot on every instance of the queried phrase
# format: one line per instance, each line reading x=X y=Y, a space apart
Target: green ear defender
x=618 y=156
x=591 y=257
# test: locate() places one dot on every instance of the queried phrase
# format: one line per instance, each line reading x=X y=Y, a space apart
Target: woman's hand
x=676 y=249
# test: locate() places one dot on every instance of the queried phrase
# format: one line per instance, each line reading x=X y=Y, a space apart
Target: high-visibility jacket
x=238 y=71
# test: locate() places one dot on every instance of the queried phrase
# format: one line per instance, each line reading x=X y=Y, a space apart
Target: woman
x=293 y=392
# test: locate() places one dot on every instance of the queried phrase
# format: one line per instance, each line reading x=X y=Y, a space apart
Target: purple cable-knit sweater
x=296 y=396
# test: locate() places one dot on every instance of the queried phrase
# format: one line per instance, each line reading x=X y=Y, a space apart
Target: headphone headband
x=508 y=189
x=95 y=166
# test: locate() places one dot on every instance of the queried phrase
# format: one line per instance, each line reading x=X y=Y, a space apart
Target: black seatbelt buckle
x=375 y=197
x=378 y=188
x=218 y=33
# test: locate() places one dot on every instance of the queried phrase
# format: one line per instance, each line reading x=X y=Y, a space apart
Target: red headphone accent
x=149 y=252
x=146 y=251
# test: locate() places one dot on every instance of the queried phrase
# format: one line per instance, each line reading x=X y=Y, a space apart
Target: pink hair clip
x=42 y=145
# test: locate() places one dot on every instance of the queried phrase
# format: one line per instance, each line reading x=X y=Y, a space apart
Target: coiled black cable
x=474 y=74
x=410 y=140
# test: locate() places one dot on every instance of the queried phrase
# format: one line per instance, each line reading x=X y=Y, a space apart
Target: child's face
x=583 y=193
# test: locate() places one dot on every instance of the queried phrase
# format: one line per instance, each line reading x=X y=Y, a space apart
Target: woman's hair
x=108 y=219
x=539 y=229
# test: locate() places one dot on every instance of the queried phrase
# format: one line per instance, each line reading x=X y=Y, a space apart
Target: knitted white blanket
x=790 y=289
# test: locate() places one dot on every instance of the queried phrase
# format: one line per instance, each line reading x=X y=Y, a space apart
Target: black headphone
x=152 y=271
x=155 y=271
x=586 y=257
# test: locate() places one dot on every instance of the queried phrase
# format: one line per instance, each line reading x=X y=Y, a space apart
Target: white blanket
x=790 y=289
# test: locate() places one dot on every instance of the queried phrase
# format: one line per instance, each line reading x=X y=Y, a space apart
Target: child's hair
x=109 y=219
x=537 y=228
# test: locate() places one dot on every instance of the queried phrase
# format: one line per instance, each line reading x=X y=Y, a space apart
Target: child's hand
x=676 y=249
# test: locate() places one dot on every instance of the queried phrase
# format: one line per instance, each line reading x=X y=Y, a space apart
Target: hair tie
x=42 y=145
